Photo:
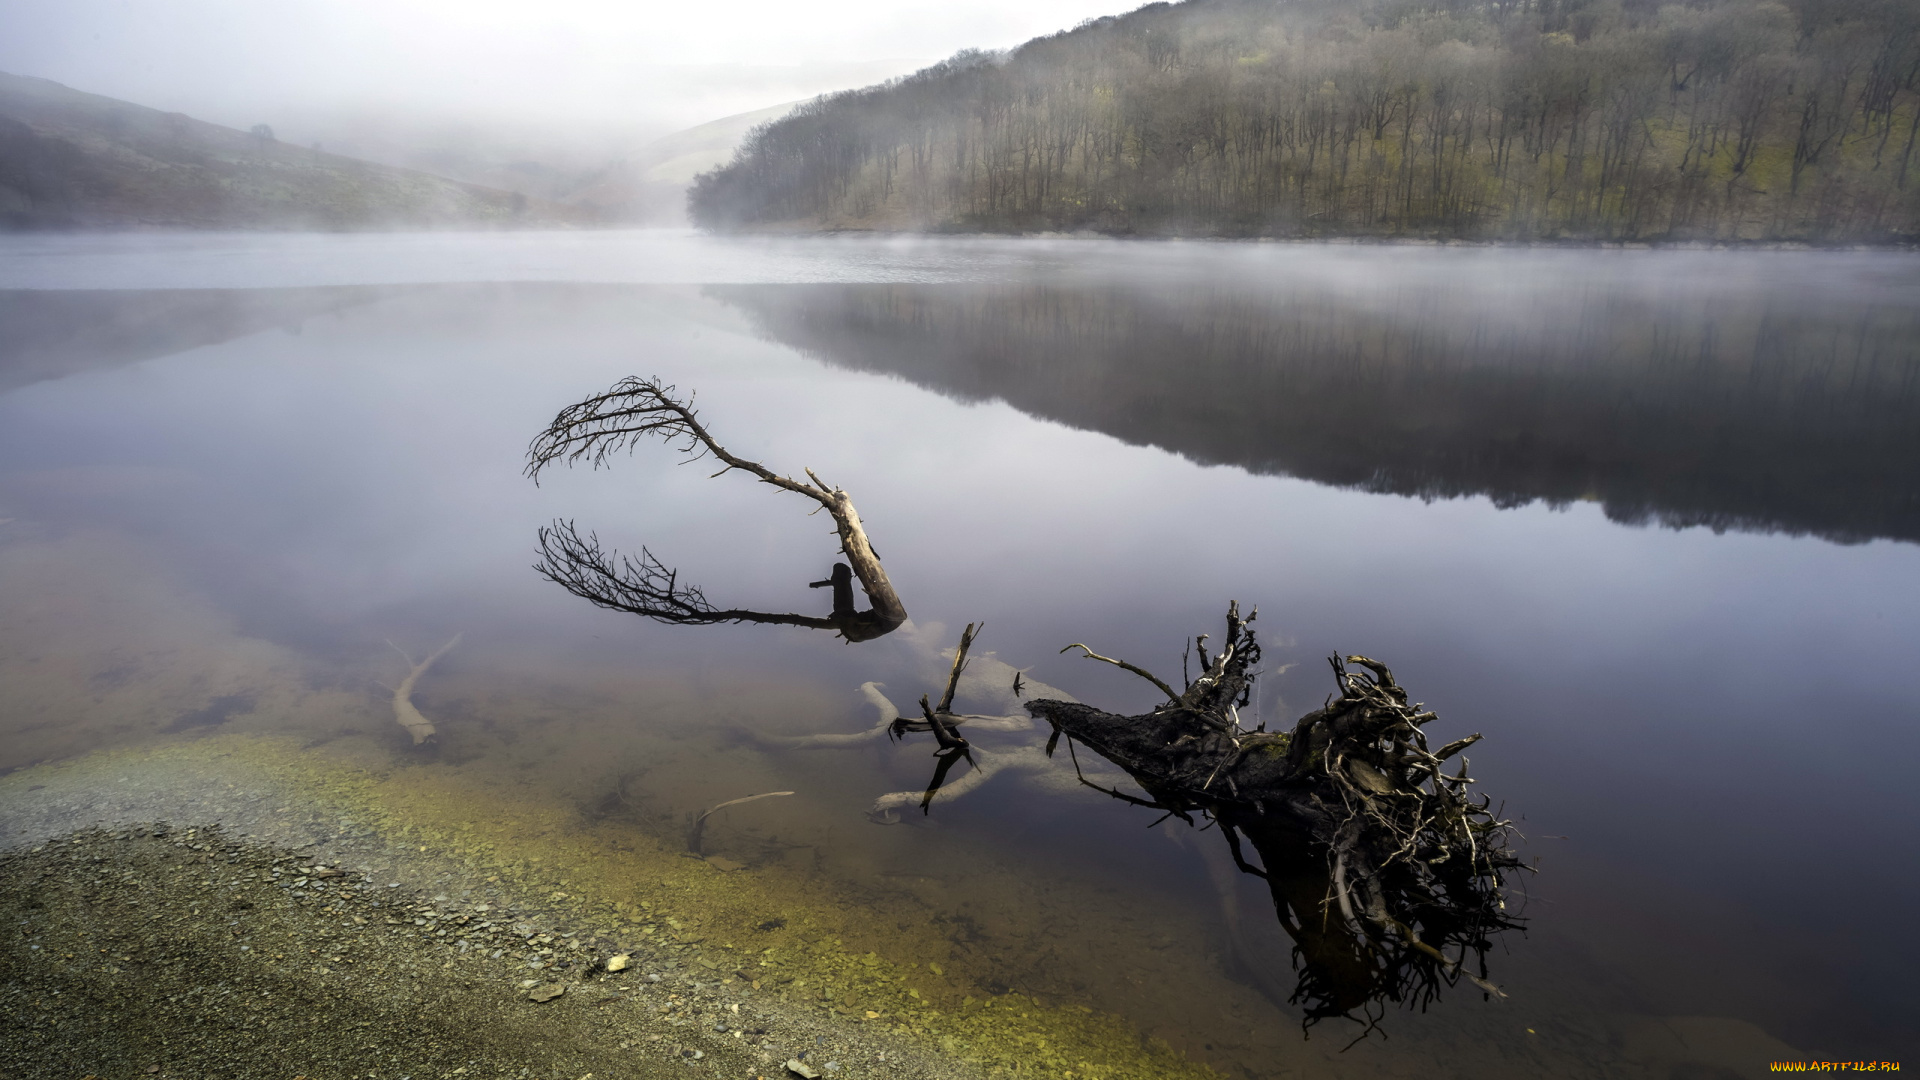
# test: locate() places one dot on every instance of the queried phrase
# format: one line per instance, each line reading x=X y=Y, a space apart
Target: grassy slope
x=75 y=160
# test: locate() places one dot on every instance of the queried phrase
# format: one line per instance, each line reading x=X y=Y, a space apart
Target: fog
x=571 y=83
x=575 y=66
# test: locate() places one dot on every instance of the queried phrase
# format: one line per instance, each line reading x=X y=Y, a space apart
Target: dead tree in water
x=1388 y=874
x=635 y=409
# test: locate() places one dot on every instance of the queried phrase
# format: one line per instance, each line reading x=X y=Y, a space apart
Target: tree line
x=1713 y=120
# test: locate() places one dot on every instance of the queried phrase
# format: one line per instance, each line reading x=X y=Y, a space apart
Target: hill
x=1709 y=120
x=75 y=160
x=650 y=186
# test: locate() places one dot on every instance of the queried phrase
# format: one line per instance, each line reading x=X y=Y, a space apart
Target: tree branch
x=635 y=409
x=645 y=587
x=1142 y=672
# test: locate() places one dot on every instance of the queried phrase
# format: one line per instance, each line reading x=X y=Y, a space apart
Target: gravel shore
x=183 y=952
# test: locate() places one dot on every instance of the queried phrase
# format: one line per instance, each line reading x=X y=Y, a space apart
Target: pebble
x=384 y=984
x=619 y=963
x=802 y=1069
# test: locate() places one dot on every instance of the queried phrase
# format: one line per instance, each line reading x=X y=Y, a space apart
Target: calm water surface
x=1647 y=520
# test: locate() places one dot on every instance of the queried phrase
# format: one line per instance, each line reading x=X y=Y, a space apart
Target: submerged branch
x=404 y=713
x=697 y=834
x=644 y=587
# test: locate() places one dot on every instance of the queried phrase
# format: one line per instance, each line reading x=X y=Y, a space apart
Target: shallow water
x=1647 y=520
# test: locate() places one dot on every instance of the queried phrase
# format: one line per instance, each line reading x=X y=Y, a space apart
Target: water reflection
x=257 y=517
x=1762 y=409
x=50 y=335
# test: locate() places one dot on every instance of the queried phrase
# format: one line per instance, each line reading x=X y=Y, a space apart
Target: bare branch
x=632 y=410
x=645 y=587
x=959 y=665
x=1142 y=672
x=635 y=409
x=697 y=833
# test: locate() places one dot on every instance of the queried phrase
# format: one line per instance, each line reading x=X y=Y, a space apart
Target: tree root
x=1389 y=873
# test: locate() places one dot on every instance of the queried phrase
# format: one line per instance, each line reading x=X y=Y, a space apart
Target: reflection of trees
x=1760 y=412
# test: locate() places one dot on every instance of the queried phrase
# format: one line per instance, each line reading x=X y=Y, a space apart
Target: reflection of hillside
x=1758 y=413
x=54 y=334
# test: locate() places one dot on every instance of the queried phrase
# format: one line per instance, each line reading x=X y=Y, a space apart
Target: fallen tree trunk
x=1385 y=870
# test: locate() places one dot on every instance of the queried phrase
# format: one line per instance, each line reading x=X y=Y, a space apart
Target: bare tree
x=635 y=409
x=1514 y=120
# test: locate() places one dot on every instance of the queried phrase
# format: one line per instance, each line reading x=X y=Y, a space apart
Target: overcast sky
x=652 y=63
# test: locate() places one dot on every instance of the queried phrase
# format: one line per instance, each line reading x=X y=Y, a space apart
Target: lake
x=1646 y=520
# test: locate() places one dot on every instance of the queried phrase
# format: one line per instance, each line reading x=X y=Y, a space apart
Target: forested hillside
x=1722 y=120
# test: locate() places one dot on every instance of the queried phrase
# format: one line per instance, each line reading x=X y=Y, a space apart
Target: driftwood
x=404 y=713
x=1387 y=872
x=954 y=748
x=981 y=678
x=889 y=718
x=696 y=835
x=636 y=409
x=984 y=766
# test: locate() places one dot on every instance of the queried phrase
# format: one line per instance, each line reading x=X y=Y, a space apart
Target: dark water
x=1646 y=520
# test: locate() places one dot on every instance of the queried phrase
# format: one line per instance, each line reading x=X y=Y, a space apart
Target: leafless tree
x=1713 y=119
x=636 y=409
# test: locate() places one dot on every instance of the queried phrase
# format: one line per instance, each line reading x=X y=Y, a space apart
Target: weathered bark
x=634 y=409
x=1387 y=874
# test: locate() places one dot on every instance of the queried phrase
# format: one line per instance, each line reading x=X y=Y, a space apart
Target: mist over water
x=1644 y=519
x=1683 y=407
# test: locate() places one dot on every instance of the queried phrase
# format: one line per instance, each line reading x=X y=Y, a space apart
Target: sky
x=568 y=63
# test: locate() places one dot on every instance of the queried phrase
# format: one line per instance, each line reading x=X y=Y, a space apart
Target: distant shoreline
x=798 y=233
x=1354 y=240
